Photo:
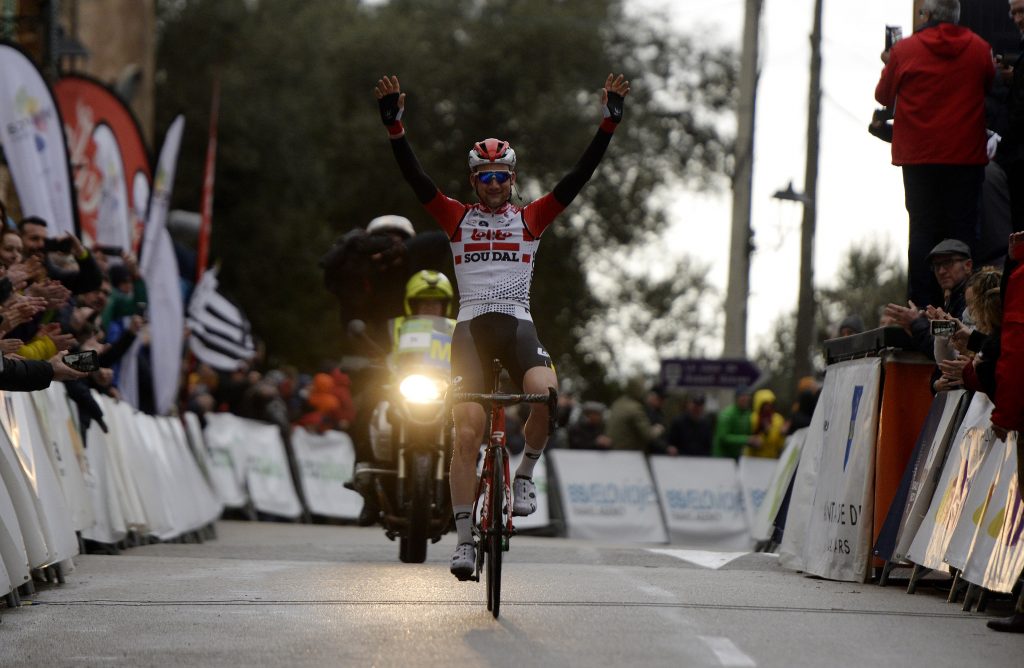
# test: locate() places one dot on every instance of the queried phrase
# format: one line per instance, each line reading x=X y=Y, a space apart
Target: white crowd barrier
x=325 y=465
x=139 y=476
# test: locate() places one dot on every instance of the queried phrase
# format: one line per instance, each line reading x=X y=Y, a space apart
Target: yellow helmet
x=429 y=284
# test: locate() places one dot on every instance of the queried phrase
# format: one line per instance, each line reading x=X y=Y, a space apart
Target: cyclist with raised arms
x=494 y=245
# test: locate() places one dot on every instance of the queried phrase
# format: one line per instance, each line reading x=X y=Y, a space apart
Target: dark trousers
x=943 y=202
x=1015 y=184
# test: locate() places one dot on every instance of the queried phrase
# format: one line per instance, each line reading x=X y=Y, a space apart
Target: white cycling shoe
x=464 y=561
x=524 y=497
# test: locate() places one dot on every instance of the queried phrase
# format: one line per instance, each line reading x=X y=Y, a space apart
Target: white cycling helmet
x=397 y=224
x=492 y=151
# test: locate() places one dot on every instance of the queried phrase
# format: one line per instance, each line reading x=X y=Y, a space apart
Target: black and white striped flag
x=220 y=333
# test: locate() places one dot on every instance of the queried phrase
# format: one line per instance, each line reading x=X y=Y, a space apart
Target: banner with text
x=112 y=173
x=608 y=496
x=325 y=465
x=839 y=532
x=703 y=501
x=33 y=143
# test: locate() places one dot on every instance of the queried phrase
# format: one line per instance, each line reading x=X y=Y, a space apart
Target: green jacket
x=628 y=426
x=732 y=430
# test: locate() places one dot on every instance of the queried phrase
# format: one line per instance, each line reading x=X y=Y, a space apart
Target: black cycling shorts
x=477 y=342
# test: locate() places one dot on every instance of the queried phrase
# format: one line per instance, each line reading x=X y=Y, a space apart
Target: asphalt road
x=266 y=594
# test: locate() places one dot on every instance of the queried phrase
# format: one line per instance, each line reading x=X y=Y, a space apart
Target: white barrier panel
x=13 y=555
x=702 y=501
x=209 y=508
x=122 y=478
x=608 y=496
x=542 y=517
x=224 y=435
x=325 y=465
x=21 y=498
x=266 y=470
x=756 y=475
x=102 y=481
x=839 y=532
x=60 y=435
x=142 y=468
x=966 y=530
x=997 y=555
x=763 y=525
x=51 y=510
x=197 y=443
x=962 y=463
x=791 y=551
x=927 y=472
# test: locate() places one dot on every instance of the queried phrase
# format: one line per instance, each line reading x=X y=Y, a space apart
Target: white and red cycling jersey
x=494 y=252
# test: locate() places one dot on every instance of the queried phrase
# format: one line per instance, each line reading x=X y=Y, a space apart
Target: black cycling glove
x=613 y=108
x=390 y=112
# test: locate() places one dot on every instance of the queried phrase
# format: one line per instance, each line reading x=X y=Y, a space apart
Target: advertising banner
x=972 y=511
x=997 y=554
x=60 y=436
x=325 y=465
x=106 y=147
x=702 y=501
x=839 y=532
x=32 y=135
x=755 y=474
x=936 y=435
x=159 y=268
x=762 y=527
x=608 y=496
x=225 y=441
x=959 y=472
x=109 y=526
x=267 y=474
x=791 y=551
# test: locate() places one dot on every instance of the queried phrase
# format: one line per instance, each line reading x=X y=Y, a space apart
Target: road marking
x=706 y=559
x=727 y=652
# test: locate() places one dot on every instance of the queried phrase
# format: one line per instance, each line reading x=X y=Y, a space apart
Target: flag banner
x=325 y=465
x=702 y=501
x=936 y=436
x=608 y=496
x=33 y=142
x=110 y=162
x=762 y=527
x=839 y=532
x=959 y=472
x=206 y=210
x=220 y=334
x=791 y=551
x=997 y=553
x=159 y=268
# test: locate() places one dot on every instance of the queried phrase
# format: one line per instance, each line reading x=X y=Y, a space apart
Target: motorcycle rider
x=427 y=293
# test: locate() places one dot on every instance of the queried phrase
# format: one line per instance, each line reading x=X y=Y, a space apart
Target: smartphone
x=140 y=308
x=113 y=251
x=51 y=245
x=943 y=328
x=893 y=34
x=85 y=360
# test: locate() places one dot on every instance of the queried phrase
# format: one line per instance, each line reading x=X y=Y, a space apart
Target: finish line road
x=265 y=594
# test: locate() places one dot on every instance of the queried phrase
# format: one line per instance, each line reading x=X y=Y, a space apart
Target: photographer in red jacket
x=936 y=82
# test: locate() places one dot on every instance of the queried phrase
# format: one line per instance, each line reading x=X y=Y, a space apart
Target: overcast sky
x=860 y=193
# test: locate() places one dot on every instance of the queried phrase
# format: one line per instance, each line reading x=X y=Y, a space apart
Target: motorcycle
x=411 y=437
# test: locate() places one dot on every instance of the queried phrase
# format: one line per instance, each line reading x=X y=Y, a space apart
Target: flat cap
x=950 y=247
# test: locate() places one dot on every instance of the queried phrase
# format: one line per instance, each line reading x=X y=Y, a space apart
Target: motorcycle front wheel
x=412 y=547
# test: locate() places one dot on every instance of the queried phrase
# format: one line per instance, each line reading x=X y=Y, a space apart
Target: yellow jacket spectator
x=767 y=425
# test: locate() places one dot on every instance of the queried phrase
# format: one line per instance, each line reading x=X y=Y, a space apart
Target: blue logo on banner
x=857 y=392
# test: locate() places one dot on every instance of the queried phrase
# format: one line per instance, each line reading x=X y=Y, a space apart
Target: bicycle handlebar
x=505 y=399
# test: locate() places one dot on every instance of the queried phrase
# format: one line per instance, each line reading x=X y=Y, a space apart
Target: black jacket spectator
x=24 y=375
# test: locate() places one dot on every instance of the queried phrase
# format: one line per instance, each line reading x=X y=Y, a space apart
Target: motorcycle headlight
x=419 y=389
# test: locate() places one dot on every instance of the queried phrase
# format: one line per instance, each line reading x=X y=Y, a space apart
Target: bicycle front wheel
x=496 y=533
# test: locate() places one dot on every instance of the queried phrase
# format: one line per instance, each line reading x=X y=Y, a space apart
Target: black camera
x=82 y=361
x=893 y=34
x=52 y=245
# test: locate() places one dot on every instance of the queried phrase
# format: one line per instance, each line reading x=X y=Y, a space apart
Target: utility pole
x=805 y=339
x=740 y=244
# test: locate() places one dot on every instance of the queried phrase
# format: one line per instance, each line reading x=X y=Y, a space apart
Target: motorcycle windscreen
x=422 y=341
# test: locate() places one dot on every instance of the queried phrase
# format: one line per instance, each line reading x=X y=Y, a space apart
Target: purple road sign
x=691 y=372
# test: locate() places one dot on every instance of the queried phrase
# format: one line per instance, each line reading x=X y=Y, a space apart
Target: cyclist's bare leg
x=536 y=381
x=469 y=435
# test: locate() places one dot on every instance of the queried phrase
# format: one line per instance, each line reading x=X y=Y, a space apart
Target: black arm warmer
x=572 y=183
x=412 y=171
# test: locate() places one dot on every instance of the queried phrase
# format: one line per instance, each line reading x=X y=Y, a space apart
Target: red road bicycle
x=494 y=490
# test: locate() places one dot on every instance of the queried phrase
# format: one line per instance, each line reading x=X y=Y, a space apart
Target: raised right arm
x=391 y=101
